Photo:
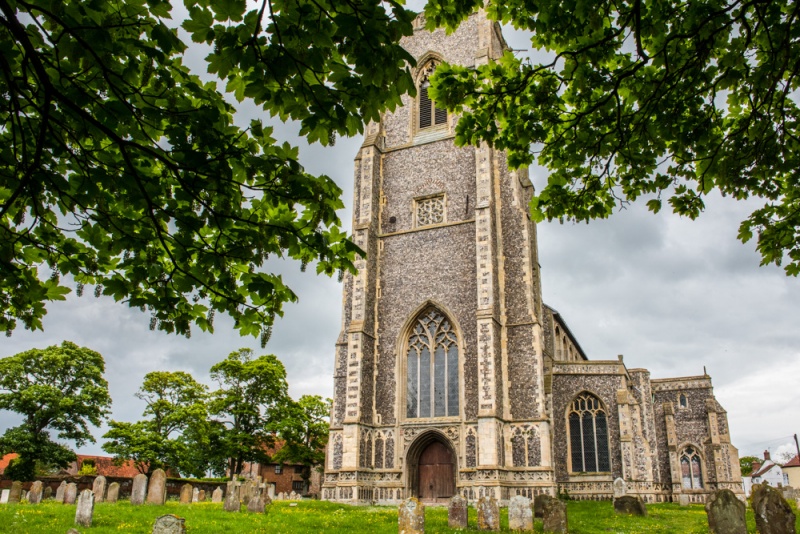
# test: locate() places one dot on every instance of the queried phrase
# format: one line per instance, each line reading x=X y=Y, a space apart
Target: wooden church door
x=436 y=473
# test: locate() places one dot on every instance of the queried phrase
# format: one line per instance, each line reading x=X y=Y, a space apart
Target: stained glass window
x=432 y=382
x=691 y=471
x=588 y=435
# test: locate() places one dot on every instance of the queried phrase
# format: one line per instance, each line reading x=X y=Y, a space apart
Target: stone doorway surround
x=432 y=468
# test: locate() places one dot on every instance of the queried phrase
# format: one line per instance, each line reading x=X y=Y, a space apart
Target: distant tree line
x=186 y=426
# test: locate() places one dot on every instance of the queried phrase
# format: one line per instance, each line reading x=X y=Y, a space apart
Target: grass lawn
x=315 y=516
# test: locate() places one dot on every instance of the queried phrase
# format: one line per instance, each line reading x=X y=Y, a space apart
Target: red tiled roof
x=794 y=462
x=106 y=467
x=5 y=460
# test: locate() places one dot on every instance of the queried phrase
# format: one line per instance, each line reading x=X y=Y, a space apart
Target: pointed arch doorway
x=434 y=473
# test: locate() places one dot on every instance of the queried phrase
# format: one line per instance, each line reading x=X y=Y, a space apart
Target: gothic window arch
x=432 y=367
x=683 y=402
x=691 y=468
x=428 y=114
x=588 y=435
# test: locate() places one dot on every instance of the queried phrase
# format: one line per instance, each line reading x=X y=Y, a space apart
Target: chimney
x=766 y=456
x=756 y=466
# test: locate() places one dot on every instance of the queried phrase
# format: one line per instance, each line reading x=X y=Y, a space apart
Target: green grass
x=315 y=516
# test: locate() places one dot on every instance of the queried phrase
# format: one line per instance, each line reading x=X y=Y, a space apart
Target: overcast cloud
x=670 y=294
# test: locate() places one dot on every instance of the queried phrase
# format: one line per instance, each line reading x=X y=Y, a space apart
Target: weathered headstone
x=157 y=490
x=60 y=491
x=620 y=488
x=73 y=531
x=488 y=514
x=4 y=496
x=35 y=494
x=139 y=489
x=71 y=493
x=271 y=491
x=520 y=514
x=726 y=513
x=85 y=509
x=169 y=524
x=554 y=517
x=631 y=505
x=232 y=502
x=216 y=496
x=281 y=496
x=113 y=492
x=539 y=502
x=99 y=488
x=293 y=496
x=47 y=493
x=411 y=517
x=201 y=496
x=246 y=491
x=457 y=512
x=16 y=492
x=773 y=513
x=186 y=494
x=257 y=504
x=683 y=499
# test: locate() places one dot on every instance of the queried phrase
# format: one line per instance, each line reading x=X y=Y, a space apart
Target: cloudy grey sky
x=670 y=294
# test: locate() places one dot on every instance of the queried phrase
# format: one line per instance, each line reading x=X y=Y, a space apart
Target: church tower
x=439 y=376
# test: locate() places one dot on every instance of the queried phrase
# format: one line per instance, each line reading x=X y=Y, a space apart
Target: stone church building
x=451 y=374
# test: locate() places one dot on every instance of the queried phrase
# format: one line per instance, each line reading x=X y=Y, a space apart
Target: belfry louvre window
x=691 y=473
x=588 y=435
x=432 y=367
x=429 y=114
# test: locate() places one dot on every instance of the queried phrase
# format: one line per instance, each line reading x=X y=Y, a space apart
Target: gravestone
x=257 y=504
x=411 y=517
x=85 y=509
x=246 y=491
x=630 y=505
x=47 y=493
x=73 y=531
x=216 y=496
x=201 y=496
x=554 y=517
x=520 y=514
x=293 y=496
x=232 y=502
x=113 y=492
x=281 y=496
x=4 y=496
x=726 y=513
x=139 y=489
x=488 y=514
x=157 y=490
x=773 y=513
x=60 y=491
x=35 y=495
x=620 y=488
x=186 y=494
x=16 y=492
x=99 y=488
x=71 y=493
x=195 y=495
x=169 y=524
x=539 y=503
x=457 y=512
x=271 y=491
x=683 y=499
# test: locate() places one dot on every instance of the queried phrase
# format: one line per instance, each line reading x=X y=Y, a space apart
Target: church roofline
x=567 y=330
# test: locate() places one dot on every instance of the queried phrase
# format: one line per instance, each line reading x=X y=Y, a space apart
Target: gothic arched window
x=588 y=435
x=432 y=367
x=691 y=472
x=428 y=114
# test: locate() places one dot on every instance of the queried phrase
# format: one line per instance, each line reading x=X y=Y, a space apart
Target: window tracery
x=432 y=367
x=430 y=210
x=428 y=114
x=691 y=469
x=588 y=434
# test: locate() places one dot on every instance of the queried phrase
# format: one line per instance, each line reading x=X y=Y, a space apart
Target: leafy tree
x=59 y=389
x=121 y=168
x=665 y=100
x=252 y=398
x=304 y=430
x=746 y=464
x=175 y=403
